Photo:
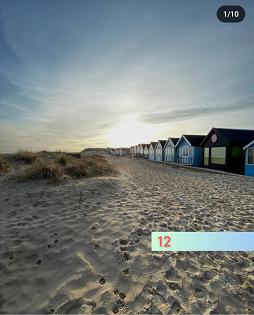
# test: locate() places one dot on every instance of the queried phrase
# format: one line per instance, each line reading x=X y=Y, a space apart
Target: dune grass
x=26 y=156
x=4 y=165
x=44 y=170
x=66 y=166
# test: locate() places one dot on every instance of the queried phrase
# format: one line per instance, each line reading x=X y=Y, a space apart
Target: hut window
x=181 y=151
x=218 y=155
x=206 y=156
x=250 y=160
x=236 y=152
x=190 y=151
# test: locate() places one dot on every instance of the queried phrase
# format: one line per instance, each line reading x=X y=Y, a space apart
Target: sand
x=84 y=246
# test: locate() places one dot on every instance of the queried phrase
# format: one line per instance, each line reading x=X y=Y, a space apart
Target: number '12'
x=167 y=243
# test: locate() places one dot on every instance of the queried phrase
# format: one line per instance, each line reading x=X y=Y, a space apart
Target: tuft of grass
x=26 y=156
x=69 y=167
x=4 y=165
x=75 y=155
x=44 y=170
x=77 y=169
x=62 y=159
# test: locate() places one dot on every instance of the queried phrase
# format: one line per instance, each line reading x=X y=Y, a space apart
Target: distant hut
x=146 y=151
x=222 y=149
x=170 y=150
x=124 y=151
x=159 y=150
x=139 y=150
x=249 y=159
x=132 y=151
x=152 y=150
x=189 y=150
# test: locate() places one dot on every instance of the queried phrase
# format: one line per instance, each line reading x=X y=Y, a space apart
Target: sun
x=130 y=132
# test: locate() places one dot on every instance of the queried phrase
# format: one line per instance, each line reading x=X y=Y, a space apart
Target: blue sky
x=76 y=74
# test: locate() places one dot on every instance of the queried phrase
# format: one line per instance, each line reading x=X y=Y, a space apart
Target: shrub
x=77 y=168
x=62 y=159
x=66 y=166
x=44 y=170
x=26 y=156
x=4 y=165
x=75 y=155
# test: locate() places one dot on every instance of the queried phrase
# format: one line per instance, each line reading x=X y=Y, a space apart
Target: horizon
x=85 y=74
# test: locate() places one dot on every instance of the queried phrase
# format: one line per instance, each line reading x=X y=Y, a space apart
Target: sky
x=95 y=73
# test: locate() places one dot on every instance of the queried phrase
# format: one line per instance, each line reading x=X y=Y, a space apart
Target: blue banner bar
x=202 y=241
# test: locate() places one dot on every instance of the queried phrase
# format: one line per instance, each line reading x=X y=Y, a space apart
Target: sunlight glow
x=129 y=133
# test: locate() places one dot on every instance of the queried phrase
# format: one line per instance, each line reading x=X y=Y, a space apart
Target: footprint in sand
x=102 y=280
x=173 y=285
x=126 y=256
x=115 y=309
x=209 y=275
x=126 y=271
x=175 y=308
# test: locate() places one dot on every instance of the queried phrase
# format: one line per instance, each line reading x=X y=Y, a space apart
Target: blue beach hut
x=189 y=150
x=159 y=150
x=170 y=150
x=249 y=159
x=152 y=150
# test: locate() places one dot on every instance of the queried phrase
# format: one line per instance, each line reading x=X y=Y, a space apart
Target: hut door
x=206 y=156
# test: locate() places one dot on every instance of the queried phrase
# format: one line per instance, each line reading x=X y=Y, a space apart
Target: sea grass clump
x=26 y=156
x=4 y=165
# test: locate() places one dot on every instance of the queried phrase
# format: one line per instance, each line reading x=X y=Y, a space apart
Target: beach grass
x=68 y=166
x=4 y=165
x=26 y=156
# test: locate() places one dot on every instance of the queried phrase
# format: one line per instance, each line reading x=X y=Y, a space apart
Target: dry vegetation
x=68 y=166
x=26 y=156
x=4 y=165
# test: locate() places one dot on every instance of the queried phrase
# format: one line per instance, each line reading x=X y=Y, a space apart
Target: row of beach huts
x=230 y=150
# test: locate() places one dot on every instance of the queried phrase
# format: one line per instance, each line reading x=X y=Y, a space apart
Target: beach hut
x=131 y=151
x=146 y=151
x=135 y=150
x=152 y=150
x=189 y=151
x=124 y=151
x=159 y=150
x=249 y=159
x=170 y=150
x=141 y=150
x=222 y=149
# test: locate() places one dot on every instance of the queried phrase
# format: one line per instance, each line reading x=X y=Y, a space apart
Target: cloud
x=199 y=111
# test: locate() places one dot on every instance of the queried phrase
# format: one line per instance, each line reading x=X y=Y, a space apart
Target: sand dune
x=84 y=246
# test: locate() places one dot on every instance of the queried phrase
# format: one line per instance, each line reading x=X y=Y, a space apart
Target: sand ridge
x=84 y=246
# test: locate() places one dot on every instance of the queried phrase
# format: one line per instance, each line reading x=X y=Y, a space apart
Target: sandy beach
x=84 y=246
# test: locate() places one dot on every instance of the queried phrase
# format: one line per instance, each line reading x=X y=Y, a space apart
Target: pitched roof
x=248 y=145
x=195 y=140
x=153 y=144
x=162 y=142
x=145 y=144
x=174 y=140
x=243 y=136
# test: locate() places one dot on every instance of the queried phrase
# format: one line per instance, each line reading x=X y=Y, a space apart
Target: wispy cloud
x=199 y=111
